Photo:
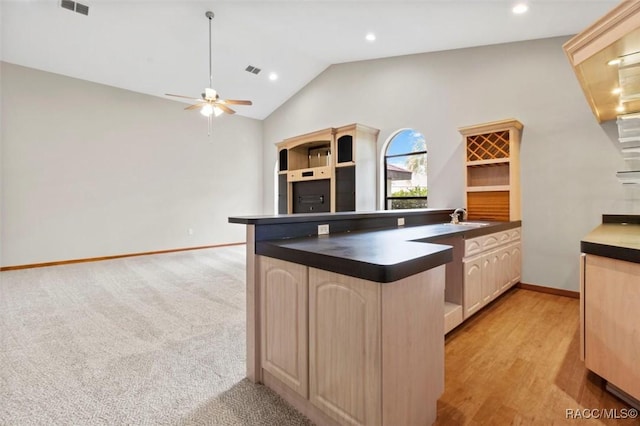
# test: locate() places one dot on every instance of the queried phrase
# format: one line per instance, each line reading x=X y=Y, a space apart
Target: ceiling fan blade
x=180 y=96
x=236 y=102
x=195 y=106
x=225 y=108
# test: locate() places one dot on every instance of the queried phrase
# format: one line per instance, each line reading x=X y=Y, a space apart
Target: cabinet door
x=583 y=262
x=313 y=196
x=283 y=294
x=283 y=195
x=490 y=287
x=345 y=189
x=504 y=269
x=516 y=262
x=345 y=149
x=612 y=329
x=344 y=347
x=472 y=285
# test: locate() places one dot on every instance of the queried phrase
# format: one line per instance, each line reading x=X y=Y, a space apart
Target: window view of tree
x=405 y=164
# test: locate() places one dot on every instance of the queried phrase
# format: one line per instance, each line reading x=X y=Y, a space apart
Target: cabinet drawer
x=495 y=240
x=483 y=243
x=473 y=246
x=309 y=174
x=486 y=242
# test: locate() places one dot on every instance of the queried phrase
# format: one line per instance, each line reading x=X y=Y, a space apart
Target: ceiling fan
x=210 y=103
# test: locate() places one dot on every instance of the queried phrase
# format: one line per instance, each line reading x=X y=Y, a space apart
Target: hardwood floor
x=517 y=363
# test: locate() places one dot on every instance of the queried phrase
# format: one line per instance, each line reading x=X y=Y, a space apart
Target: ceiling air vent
x=68 y=4
x=252 y=69
x=83 y=9
x=75 y=7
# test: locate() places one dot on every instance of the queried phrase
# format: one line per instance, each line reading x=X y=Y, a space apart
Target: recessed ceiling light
x=273 y=76
x=370 y=37
x=520 y=8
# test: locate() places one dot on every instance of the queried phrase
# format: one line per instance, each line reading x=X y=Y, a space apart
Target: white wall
x=90 y=170
x=568 y=160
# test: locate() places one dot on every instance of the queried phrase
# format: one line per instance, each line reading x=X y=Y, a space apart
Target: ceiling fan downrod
x=209 y=14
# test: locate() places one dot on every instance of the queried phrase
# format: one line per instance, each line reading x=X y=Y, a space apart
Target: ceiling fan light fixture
x=209 y=104
x=520 y=8
x=210 y=93
x=206 y=110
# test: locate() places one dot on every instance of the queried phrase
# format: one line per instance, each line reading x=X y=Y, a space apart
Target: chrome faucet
x=455 y=215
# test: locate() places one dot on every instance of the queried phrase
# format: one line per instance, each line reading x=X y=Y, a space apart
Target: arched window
x=405 y=171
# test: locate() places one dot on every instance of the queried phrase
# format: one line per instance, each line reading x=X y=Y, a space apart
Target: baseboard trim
x=550 y=290
x=117 y=256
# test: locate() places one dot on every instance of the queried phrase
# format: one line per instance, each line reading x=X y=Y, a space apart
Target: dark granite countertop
x=382 y=255
x=618 y=237
x=328 y=217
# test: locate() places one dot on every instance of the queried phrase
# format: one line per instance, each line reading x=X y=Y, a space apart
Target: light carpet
x=148 y=340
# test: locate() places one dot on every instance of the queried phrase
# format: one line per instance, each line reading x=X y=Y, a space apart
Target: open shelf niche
x=492 y=170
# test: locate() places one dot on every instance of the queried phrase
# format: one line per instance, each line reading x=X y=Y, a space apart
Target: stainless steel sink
x=469 y=224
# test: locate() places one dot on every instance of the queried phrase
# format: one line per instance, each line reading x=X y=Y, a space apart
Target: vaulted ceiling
x=161 y=46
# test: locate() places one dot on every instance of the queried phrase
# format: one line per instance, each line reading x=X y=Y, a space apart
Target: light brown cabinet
x=610 y=332
x=516 y=260
x=472 y=285
x=489 y=274
x=491 y=265
x=284 y=337
x=503 y=273
x=344 y=347
x=492 y=170
x=372 y=349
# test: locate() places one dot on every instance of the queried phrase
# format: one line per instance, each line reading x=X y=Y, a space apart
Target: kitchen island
x=610 y=302
x=348 y=327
